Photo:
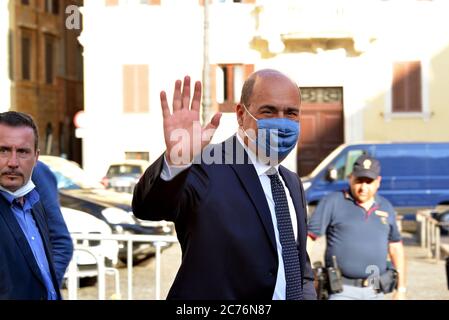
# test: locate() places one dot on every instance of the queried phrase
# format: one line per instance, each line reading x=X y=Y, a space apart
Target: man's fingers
x=181 y=96
x=177 y=103
x=196 y=101
x=186 y=93
x=209 y=130
x=164 y=105
x=214 y=122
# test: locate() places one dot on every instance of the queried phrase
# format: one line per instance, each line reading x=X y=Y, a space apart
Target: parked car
x=123 y=176
x=79 y=222
x=414 y=175
x=80 y=192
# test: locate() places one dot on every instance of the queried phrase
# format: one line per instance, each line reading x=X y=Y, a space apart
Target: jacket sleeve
x=309 y=291
x=61 y=241
x=308 y=277
x=157 y=199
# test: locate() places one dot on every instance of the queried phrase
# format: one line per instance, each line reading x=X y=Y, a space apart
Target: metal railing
x=430 y=235
x=72 y=273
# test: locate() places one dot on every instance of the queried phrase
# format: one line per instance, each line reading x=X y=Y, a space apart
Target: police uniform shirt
x=357 y=237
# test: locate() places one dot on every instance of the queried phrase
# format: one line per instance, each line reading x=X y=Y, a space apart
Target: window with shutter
x=135 y=89
x=11 y=54
x=406 y=90
x=52 y=6
x=229 y=79
x=26 y=56
x=49 y=59
x=110 y=3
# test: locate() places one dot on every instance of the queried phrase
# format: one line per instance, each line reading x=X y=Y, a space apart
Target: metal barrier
x=157 y=241
x=430 y=236
x=72 y=273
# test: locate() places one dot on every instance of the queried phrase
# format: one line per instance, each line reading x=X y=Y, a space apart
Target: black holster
x=388 y=281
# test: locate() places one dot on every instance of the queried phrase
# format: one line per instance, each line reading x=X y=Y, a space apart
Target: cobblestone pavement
x=426 y=277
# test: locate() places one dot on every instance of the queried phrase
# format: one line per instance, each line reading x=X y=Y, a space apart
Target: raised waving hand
x=184 y=136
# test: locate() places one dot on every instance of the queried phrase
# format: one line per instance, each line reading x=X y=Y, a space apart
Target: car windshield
x=75 y=182
x=70 y=176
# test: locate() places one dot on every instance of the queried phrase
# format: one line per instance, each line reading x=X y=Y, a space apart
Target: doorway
x=322 y=126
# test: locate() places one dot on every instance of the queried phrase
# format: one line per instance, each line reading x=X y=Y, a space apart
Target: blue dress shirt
x=28 y=225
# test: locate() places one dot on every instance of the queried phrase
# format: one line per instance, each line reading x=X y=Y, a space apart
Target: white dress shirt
x=169 y=172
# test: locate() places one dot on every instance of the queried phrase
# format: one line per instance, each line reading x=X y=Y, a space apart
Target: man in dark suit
x=26 y=263
x=240 y=217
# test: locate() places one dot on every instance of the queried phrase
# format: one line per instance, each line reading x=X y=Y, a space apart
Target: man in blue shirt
x=361 y=231
x=26 y=261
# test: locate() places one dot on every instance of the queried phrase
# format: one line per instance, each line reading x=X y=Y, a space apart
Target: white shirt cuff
x=169 y=172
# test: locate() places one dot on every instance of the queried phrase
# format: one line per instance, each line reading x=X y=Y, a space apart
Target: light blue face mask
x=276 y=137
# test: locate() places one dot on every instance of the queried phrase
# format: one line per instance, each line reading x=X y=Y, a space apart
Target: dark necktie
x=290 y=253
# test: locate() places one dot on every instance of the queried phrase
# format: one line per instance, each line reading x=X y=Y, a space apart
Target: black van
x=414 y=175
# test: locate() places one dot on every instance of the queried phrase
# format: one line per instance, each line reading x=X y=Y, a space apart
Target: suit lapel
x=40 y=218
x=21 y=241
x=41 y=224
x=251 y=183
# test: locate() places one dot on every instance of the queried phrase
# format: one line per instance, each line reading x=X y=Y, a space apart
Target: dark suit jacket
x=20 y=276
x=61 y=242
x=224 y=226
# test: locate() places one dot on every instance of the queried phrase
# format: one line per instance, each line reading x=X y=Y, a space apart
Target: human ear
x=239 y=113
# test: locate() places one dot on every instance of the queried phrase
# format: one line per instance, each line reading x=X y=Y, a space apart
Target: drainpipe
x=206 y=67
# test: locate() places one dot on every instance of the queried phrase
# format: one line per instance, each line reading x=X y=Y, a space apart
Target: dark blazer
x=61 y=242
x=224 y=226
x=20 y=276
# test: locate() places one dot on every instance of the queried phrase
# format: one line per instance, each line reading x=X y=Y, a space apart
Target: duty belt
x=362 y=283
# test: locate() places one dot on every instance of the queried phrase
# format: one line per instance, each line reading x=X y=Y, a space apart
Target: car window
x=123 y=169
x=71 y=176
x=64 y=182
x=350 y=160
x=344 y=163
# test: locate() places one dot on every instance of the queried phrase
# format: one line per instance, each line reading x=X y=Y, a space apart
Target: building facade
x=45 y=70
x=367 y=70
x=5 y=83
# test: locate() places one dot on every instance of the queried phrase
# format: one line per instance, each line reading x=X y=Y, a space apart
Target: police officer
x=361 y=231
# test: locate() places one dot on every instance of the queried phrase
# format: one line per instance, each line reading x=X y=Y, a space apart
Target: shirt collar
x=260 y=167
x=348 y=196
x=31 y=197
